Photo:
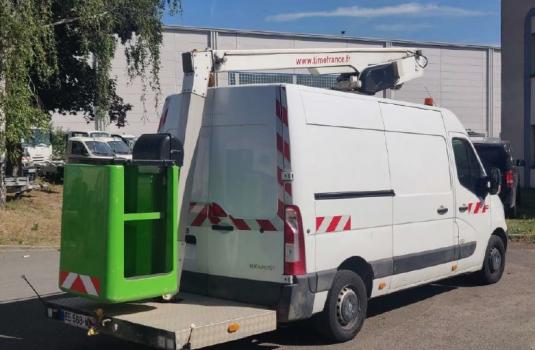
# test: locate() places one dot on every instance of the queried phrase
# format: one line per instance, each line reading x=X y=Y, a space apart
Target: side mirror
x=495 y=179
x=482 y=188
x=520 y=162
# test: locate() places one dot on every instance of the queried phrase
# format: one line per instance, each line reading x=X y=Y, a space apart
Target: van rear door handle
x=442 y=210
x=222 y=228
x=463 y=208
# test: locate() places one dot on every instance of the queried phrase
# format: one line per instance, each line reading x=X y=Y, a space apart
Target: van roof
x=336 y=92
x=451 y=121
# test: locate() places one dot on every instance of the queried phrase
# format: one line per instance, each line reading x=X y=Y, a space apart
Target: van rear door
x=234 y=226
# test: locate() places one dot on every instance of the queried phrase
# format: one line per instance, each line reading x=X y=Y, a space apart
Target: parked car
x=119 y=147
x=90 y=133
x=130 y=140
x=82 y=148
x=495 y=153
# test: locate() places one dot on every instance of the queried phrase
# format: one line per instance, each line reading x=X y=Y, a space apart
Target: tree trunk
x=3 y=189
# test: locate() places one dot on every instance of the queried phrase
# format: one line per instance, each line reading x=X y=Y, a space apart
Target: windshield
x=119 y=147
x=38 y=137
x=99 y=148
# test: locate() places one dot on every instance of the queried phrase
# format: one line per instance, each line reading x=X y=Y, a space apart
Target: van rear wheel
x=345 y=308
x=494 y=262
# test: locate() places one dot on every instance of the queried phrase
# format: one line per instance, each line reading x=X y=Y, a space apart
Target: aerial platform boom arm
x=367 y=70
x=407 y=64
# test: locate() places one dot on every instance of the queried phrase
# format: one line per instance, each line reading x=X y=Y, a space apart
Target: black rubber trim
x=238 y=289
x=421 y=260
x=222 y=228
x=354 y=194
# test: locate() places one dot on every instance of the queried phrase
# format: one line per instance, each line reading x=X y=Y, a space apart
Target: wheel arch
x=500 y=232
x=362 y=268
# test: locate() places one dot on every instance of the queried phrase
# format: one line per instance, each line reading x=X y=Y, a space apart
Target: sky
x=453 y=21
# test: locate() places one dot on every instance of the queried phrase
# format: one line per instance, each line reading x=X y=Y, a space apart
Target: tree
x=55 y=55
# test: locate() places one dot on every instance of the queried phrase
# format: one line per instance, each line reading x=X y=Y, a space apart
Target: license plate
x=77 y=320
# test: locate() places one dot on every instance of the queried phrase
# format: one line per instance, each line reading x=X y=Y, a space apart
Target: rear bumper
x=292 y=302
x=296 y=300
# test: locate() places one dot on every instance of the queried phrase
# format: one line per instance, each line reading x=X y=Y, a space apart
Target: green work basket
x=119 y=230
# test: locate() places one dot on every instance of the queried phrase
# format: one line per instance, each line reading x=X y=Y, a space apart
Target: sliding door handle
x=442 y=210
x=463 y=208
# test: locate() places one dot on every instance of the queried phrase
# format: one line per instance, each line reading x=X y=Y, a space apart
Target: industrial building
x=518 y=74
x=462 y=78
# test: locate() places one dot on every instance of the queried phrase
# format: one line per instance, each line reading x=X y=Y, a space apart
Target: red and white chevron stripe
x=206 y=214
x=477 y=208
x=79 y=283
x=336 y=223
x=284 y=163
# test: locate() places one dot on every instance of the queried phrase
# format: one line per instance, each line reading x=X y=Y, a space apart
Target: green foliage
x=58 y=140
x=56 y=55
x=25 y=43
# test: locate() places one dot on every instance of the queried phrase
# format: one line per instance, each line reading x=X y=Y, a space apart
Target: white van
x=313 y=201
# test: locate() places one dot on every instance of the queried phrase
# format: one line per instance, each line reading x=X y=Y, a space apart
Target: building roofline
x=175 y=28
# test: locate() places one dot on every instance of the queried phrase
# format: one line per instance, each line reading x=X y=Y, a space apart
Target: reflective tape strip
x=69 y=280
x=80 y=283
x=337 y=223
x=88 y=285
x=206 y=214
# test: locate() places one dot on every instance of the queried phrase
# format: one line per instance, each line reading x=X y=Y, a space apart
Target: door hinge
x=287 y=175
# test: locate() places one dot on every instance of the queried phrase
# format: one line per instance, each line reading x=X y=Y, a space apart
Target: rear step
x=191 y=322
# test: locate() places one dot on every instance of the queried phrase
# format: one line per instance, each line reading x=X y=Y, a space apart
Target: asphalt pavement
x=452 y=314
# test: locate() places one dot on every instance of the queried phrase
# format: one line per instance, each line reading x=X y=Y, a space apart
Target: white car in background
x=83 y=148
x=104 y=148
x=120 y=148
x=130 y=140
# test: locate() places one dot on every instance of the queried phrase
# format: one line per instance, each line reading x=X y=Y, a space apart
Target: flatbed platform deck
x=190 y=322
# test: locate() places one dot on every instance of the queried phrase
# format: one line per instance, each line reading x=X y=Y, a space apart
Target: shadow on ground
x=24 y=326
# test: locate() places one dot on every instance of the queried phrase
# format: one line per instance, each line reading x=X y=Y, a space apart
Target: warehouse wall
x=518 y=31
x=457 y=77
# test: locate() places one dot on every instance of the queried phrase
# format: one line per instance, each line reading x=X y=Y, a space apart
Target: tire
x=340 y=321
x=494 y=262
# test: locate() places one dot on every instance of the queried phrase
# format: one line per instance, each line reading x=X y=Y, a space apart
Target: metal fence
x=322 y=81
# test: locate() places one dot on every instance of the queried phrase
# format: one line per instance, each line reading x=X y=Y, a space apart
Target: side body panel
x=341 y=177
x=424 y=240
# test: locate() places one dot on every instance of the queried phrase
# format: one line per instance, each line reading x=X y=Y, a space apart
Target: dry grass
x=34 y=219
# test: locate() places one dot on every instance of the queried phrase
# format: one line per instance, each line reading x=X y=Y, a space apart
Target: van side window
x=468 y=168
x=78 y=149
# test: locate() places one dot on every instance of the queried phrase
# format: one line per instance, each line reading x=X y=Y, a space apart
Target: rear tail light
x=294 y=242
x=509 y=179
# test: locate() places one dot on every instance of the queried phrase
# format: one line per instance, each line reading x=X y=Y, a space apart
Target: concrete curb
x=15 y=247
